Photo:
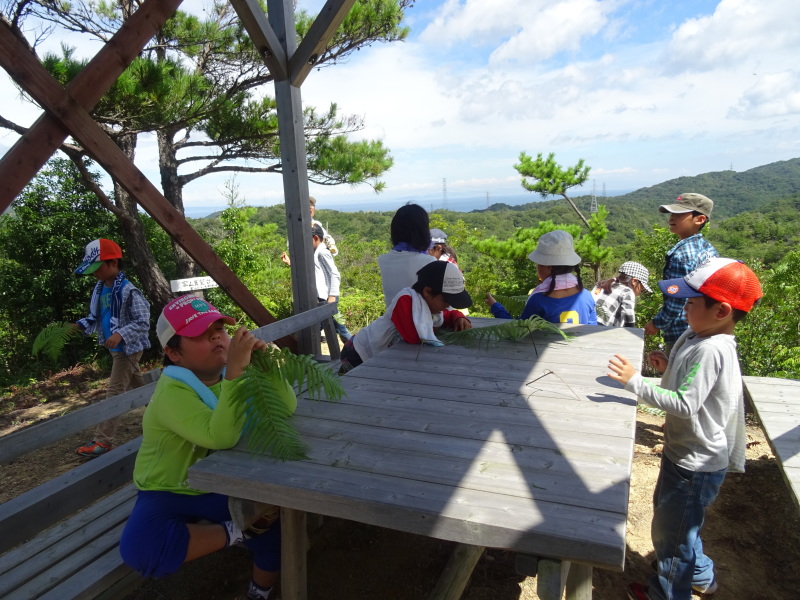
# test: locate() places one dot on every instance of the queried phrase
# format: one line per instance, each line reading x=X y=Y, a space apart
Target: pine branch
x=51 y=340
x=508 y=330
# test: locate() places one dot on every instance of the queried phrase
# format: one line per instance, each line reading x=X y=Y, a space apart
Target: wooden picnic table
x=525 y=446
x=777 y=403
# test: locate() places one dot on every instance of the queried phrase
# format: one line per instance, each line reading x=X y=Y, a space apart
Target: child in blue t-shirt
x=560 y=297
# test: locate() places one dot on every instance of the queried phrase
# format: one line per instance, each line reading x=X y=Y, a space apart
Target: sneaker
x=637 y=591
x=706 y=591
x=93 y=449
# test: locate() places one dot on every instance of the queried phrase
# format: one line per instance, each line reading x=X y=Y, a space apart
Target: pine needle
x=51 y=340
x=506 y=330
x=268 y=418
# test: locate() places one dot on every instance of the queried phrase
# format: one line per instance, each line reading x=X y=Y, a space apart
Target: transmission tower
x=444 y=193
x=594 y=198
x=487 y=199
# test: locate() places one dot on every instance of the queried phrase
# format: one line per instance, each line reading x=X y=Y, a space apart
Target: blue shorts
x=156 y=539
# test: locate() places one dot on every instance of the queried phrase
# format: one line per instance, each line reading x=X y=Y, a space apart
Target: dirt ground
x=752 y=531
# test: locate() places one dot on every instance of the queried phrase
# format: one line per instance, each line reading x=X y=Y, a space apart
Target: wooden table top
x=522 y=445
x=777 y=402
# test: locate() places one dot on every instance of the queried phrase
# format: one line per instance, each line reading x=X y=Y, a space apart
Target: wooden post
x=294 y=545
x=295 y=177
x=579 y=582
x=453 y=580
x=556 y=576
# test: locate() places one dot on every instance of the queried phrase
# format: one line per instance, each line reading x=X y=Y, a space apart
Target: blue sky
x=644 y=91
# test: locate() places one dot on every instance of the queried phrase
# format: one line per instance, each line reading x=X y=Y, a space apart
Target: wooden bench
x=60 y=540
x=776 y=402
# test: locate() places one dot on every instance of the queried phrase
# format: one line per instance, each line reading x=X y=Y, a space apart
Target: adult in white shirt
x=411 y=239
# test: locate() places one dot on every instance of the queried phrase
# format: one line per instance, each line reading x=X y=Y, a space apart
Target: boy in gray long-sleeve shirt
x=701 y=392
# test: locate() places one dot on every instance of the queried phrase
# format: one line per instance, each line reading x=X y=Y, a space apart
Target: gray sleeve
x=691 y=383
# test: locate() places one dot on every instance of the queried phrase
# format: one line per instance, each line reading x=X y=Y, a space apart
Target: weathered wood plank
x=59 y=573
x=27 y=514
x=467 y=516
x=29 y=439
x=531 y=432
x=382 y=392
x=493 y=450
x=295 y=323
x=319 y=34
x=777 y=403
x=29 y=561
x=415 y=470
x=550 y=385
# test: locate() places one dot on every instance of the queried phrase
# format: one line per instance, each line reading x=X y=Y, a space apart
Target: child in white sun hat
x=560 y=297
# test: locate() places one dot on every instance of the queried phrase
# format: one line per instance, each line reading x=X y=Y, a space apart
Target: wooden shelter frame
x=67 y=112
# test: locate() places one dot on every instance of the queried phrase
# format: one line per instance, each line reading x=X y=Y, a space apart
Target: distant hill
x=732 y=192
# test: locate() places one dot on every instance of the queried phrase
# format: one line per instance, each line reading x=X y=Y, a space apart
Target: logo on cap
x=673 y=289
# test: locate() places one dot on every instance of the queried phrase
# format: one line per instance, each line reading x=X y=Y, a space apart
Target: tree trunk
x=173 y=192
x=576 y=209
x=138 y=255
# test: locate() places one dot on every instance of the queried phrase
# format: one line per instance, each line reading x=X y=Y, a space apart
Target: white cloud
x=773 y=95
x=738 y=31
x=518 y=30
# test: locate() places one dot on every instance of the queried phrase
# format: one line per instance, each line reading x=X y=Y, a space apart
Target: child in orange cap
x=120 y=316
x=701 y=392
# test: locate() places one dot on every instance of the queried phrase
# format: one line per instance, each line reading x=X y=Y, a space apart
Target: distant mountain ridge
x=732 y=192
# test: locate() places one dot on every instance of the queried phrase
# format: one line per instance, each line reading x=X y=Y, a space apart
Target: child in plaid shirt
x=687 y=216
x=615 y=298
x=120 y=316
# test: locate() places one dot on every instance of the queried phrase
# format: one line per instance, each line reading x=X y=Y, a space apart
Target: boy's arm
x=691 y=392
x=404 y=321
x=138 y=316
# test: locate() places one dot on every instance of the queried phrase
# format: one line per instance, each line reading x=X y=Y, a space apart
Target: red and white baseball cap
x=188 y=316
x=95 y=253
x=723 y=279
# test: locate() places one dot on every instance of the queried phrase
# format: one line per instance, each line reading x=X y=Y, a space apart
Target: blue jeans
x=680 y=501
x=338 y=323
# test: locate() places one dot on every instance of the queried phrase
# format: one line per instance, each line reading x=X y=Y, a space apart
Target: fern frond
x=301 y=371
x=508 y=329
x=267 y=392
x=51 y=340
x=513 y=304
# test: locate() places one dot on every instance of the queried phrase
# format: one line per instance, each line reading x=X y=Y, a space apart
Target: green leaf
x=51 y=340
x=265 y=390
x=508 y=330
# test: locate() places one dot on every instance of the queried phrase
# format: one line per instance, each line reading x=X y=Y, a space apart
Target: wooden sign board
x=193 y=283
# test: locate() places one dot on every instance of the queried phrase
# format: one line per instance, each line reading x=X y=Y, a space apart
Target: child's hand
x=113 y=340
x=651 y=329
x=462 y=324
x=489 y=299
x=621 y=369
x=658 y=360
x=285 y=258
x=239 y=352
